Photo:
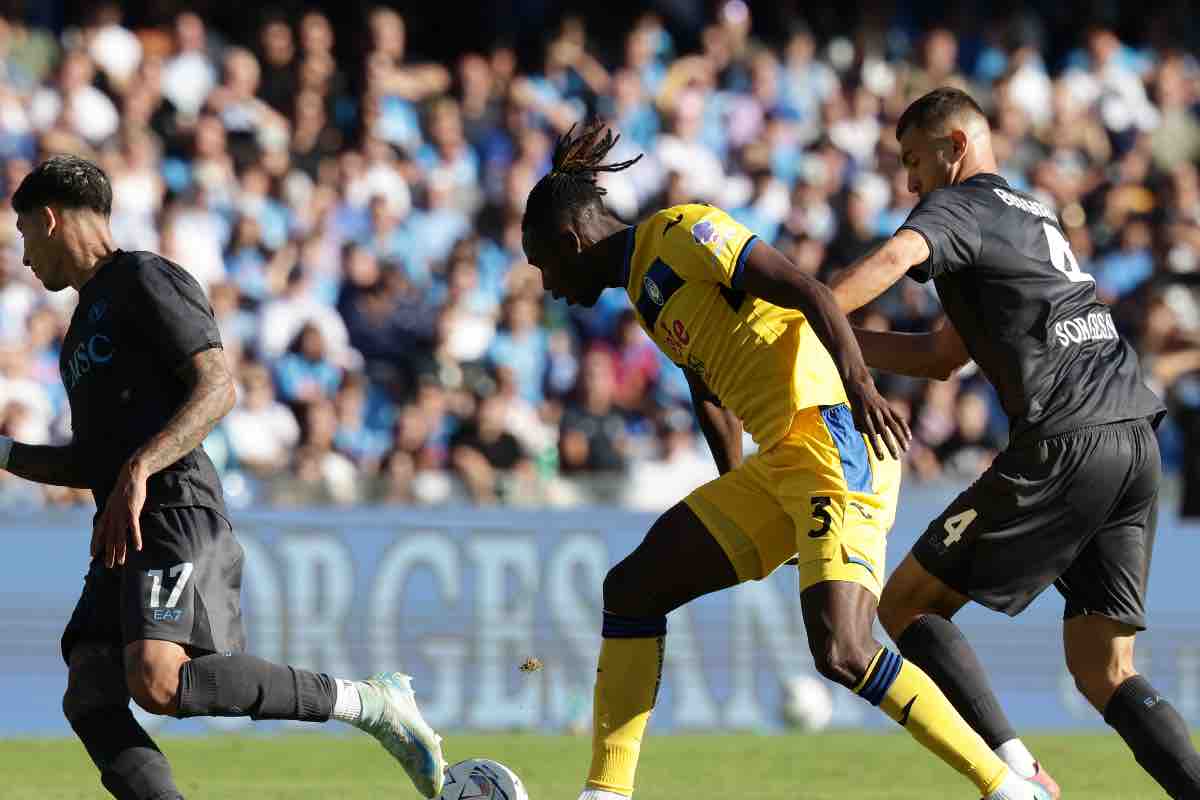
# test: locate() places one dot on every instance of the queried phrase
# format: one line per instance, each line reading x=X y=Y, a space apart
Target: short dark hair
x=66 y=181
x=932 y=110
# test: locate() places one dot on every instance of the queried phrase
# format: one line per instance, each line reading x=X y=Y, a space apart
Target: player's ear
x=49 y=219
x=958 y=145
x=569 y=241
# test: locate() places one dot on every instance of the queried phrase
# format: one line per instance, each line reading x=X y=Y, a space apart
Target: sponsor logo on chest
x=95 y=349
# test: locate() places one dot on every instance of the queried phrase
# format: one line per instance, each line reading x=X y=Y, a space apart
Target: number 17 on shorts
x=163 y=590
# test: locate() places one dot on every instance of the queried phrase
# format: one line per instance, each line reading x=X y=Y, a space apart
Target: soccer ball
x=481 y=779
x=807 y=703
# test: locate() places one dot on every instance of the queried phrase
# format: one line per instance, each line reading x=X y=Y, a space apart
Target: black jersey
x=1029 y=317
x=139 y=318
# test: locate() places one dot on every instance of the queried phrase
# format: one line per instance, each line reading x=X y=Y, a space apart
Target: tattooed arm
x=211 y=397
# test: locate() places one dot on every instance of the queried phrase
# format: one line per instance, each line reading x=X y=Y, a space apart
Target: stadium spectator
x=317 y=463
x=380 y=197
x=304 y=374
x=482 y=450
x=262 y=431
x=592 y=434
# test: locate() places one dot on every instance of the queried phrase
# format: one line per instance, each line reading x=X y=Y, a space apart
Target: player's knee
x=78 y=704
x=842 y=659
x=625 y=595
x=1098 y=682
x=95 y=683
x=153 y=683
x=899 y=608
x=894 y=614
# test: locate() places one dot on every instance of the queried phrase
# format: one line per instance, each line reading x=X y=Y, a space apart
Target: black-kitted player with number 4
x=160 y=619
x=1072 y=500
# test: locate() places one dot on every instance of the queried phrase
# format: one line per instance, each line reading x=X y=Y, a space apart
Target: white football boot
x=390 y=714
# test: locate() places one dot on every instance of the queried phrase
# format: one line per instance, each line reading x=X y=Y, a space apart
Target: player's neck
x=976 y=165
x=601 y=228
x=89 y=245
x=599 y=250
x=86 y=260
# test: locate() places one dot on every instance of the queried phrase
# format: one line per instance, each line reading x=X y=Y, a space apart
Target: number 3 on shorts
x=957 y=524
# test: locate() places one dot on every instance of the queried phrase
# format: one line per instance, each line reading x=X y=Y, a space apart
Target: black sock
x=1157 y=735
x=936 y=645
x=131 y=765
x=245 y=686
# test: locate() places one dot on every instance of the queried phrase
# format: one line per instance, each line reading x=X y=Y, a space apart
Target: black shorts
x=183 y=586
x=1077 y=510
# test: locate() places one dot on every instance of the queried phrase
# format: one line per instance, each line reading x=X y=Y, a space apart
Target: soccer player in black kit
x=159 y=618
x=1072 y=500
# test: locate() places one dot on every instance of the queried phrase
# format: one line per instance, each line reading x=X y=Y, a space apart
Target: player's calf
x=96 y=704
x=240 y=685
x=842 y=656
x=1099 y=654
x=838 y=616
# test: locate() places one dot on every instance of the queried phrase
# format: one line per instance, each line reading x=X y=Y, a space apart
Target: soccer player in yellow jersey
x=764 y=346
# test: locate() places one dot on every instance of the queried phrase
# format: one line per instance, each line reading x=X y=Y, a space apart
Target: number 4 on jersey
x=957 y=524
x=1061 y=256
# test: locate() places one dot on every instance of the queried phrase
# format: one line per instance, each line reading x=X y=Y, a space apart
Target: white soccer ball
x=482 y=779
x=807 y=703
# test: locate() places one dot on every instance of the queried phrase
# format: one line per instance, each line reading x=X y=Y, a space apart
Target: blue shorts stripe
x=856 y=464
x=862 y=562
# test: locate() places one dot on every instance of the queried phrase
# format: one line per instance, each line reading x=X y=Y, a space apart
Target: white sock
x=600 y=794
x=348 y=705
x=1013 y=788
x=1017 y=756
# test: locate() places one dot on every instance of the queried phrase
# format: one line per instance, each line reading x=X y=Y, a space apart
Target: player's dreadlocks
x=571 y=183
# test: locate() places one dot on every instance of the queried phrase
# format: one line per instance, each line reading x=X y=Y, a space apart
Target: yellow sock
x=627 y=679
x=906 y=694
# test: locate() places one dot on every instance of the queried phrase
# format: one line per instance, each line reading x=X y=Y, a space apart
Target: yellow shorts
x=819 y=494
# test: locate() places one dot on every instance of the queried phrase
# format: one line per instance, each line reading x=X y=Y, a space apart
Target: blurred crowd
x=356 y=224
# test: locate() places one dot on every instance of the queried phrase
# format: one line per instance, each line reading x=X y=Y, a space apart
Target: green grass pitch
x=829 y=766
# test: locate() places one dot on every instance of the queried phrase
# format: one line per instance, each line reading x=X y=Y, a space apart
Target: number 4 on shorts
x=957 y=524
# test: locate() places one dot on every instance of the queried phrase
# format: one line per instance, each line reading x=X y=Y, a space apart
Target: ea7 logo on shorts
x=167 y=614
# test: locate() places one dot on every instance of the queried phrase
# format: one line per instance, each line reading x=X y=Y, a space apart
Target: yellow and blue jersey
x=813 y=489
x=683 y=274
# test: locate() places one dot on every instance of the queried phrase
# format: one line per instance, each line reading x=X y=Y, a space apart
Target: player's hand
x=121 y=517
x=875 y=417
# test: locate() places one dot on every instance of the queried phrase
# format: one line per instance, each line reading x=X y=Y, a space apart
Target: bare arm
x=874 y=273
x=211 y=397
x=937 y=354
x=722 y=429
x=57 y=466
x=768 y=274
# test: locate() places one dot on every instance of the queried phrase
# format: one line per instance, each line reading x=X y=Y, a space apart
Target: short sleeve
x=950 y=226
x=715 y=248
x=171 y=310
